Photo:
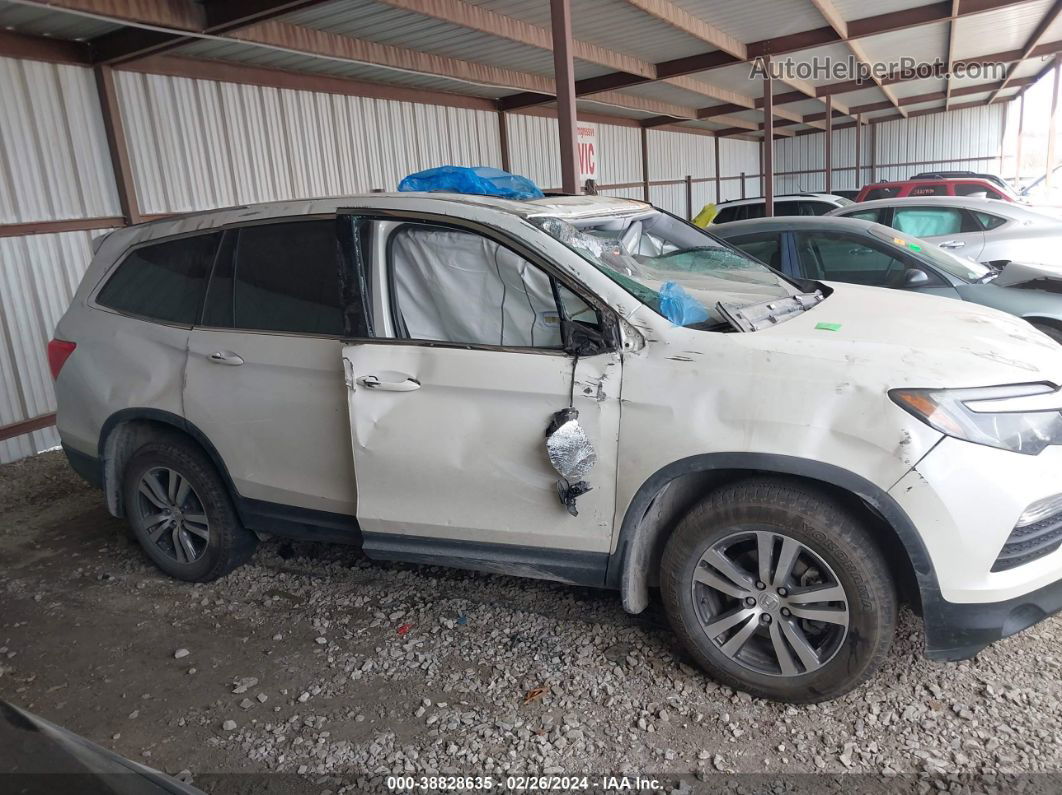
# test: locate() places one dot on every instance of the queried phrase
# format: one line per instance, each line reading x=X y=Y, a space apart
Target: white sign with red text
x=587 y=140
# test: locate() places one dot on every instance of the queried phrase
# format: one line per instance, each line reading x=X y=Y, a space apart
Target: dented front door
x=451 y=463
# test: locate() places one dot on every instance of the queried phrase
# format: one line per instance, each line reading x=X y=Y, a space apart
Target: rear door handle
x=952 y=244
x=226 y=357
x=407 y=384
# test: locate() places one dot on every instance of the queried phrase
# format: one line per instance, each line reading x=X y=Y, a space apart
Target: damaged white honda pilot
x=583 y=389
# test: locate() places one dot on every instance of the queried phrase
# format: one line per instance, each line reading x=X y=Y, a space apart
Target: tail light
x=58 y=352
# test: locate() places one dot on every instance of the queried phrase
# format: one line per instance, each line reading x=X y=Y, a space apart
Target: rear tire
x=814 y=622
x=180 y=511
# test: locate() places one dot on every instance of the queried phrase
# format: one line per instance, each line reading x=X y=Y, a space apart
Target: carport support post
x=1051 y=130
x=116 y=144
x=718 y=189
x=827 y=154
x=858 y=152
x=503 y=140
x=768 y=139
x=645 y=164
x=564 y=77
x=689 y=197
x=1021 y=132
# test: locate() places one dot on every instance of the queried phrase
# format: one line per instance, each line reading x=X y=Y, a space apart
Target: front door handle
x=226 y=357
x=407 y=384
x=952 y=244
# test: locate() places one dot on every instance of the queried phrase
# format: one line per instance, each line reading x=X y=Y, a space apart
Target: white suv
x=578 y=388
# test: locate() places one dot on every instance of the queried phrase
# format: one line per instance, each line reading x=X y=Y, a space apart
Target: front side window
x=881 y=193
x=653 y=256
x=931 y=221
x=843 y=257
x=280 y=277
x=163 y=281
x=455 y=286
x=976 y=190
x=988 y=221
x=765 y=247
x=865 y=215
x=962 y=268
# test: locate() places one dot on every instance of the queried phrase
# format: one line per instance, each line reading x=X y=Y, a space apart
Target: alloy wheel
x=770 y=603
x=172 y=516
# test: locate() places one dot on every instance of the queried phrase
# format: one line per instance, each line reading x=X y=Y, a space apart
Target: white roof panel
x=1006 y=29
x=755 y=20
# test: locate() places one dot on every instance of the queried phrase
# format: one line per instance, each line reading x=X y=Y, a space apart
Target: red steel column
x=768 y=139
x=859 y=152
x=828 y=153
x=718 y=193
x=564 y=75
x=645 y=164
x=116 y=144
x=1021 y=131
x=1051 y=130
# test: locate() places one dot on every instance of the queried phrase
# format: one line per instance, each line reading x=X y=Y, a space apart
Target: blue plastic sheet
x=480 y=181
x=680 y=307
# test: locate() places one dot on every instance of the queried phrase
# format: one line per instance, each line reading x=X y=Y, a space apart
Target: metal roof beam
x=1038 y=33
x=175 y=16
x=43 y=48
x=833 y=16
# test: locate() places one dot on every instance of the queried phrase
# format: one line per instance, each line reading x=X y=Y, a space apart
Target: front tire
x=776 y=589
x=180 y=512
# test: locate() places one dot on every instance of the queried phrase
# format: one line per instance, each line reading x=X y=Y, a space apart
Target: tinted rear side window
x=284 y=277
x=727 y=214
x=880 y=193
x=163 y=281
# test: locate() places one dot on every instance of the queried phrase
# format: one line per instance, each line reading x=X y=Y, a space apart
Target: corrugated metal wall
x=196 y=144
x=967 y=139
x=54 y=165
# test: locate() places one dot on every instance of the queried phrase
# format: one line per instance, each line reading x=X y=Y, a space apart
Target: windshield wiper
x=767 y=313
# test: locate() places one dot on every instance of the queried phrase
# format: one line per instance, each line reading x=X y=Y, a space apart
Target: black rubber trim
x=570 y=566
x=88 y=467
x=958 y=631
x=268 y=517
x=772 y=464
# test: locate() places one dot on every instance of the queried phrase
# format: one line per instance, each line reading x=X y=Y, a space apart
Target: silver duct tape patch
x=570 y=450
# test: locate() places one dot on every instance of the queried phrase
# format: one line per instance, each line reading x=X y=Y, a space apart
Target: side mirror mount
x=583 y=340
x=915 y=277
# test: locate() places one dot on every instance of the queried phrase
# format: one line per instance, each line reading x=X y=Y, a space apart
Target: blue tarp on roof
x=479 y=181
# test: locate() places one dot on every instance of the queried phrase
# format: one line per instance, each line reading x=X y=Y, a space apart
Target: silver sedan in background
x=861 y=252
x=984 y=230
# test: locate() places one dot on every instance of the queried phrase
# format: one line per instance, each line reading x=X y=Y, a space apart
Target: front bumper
x=958 y=631
x=965 y=499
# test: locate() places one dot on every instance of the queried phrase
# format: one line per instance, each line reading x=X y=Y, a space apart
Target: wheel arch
x=128 y=429
x=670 y=492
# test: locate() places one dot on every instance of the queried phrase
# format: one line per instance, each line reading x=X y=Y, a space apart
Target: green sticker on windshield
x=828 y=326
x=914 y=247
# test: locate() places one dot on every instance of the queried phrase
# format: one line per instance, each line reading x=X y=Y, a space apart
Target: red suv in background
x=970 y=187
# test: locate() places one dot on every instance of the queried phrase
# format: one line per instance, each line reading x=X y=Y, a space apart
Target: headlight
x=1024 y=418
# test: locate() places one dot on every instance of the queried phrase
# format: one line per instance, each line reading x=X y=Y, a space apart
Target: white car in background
x=985 y=230
x=786 y=204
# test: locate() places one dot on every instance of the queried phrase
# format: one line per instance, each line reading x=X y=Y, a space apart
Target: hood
x=1019 y=273
x=895 y=338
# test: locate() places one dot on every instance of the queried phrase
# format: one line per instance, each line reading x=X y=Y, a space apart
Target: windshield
x=959 y=267
x=672 y=267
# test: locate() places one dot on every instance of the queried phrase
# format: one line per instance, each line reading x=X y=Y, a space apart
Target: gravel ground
x=315 y=662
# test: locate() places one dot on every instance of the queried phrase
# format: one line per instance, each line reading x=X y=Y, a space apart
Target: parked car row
x=590 y=390
x=926 y=236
